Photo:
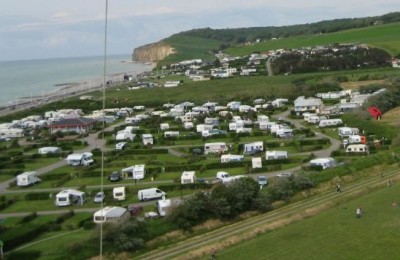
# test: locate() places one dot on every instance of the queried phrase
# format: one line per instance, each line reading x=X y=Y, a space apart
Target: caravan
x=210 y=148
x=136 y=172
x=119 y=193
x=27 y=178
x=69 y=197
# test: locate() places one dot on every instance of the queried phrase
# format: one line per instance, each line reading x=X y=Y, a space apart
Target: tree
x=124 y=236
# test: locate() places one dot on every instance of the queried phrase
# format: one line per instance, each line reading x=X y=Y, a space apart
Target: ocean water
x=36 y=78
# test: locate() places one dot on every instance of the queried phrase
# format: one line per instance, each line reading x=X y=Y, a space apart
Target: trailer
x=218 y=147
x=253 y=148
x=275 y=155
x=136 y=172
x=70 y=196
x=110 y=215
x=27 y=178
x=49 y=150
x=225 y=158
x=188 y=177
x=119 y=193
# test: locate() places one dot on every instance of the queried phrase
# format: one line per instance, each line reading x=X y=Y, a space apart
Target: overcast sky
x=70 y=28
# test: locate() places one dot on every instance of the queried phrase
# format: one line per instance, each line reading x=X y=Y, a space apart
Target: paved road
x=93 y=143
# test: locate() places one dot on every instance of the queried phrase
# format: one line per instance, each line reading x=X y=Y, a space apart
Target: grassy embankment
x=386 y=37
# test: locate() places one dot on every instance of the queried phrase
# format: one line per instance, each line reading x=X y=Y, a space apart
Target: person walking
x=358 y=212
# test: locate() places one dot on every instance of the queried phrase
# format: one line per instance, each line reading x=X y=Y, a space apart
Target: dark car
x=115 y=176
x=197 y=151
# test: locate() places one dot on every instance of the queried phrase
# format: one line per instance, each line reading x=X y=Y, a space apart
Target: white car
x=99 y=197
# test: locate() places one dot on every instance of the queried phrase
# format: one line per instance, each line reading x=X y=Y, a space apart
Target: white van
x=151 y=193
x=119 y=193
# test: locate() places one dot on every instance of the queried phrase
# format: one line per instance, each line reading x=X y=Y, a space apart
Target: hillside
x=378 y=31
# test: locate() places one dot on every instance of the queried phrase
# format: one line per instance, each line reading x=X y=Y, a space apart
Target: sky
x=45 y=29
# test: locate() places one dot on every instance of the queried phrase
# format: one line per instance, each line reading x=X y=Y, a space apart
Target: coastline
x=64 y=90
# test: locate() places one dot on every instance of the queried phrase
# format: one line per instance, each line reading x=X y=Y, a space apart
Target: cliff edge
x=152 y=52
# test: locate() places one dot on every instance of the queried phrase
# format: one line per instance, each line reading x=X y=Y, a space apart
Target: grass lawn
x=335 y=234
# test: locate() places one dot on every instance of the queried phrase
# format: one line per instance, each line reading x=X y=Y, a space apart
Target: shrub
x=30 y=254
x=29 y=218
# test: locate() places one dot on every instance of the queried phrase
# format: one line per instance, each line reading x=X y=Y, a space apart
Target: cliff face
x=152 y=52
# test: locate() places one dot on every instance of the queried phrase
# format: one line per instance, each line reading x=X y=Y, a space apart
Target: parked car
x=197 y=151
x=115 y=176
x=284 y=175
x=262 y=180
x=99 y=197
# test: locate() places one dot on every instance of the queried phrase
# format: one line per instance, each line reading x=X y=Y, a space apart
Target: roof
x=188 y=174
x=301 y=101
x=70 y=191
x=111 y=212
x=80 y=121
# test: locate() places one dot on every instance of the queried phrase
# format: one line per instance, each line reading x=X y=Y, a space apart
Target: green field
x=386 y=37
x=334 y=234
x=190 y=47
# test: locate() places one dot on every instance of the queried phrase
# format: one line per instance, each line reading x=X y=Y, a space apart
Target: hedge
x=28 y=254
x=37 y=196
x=191 y=186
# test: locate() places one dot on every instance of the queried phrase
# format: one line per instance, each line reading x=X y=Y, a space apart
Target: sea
x=31 y=79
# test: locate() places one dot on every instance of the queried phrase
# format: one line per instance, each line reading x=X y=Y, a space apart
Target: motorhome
x=77 y=159
x=27 y=178
x=219 y=147
x=69 y=197
x=110 y=214
x=151 y=193
x=188 y=177
x=119 y=193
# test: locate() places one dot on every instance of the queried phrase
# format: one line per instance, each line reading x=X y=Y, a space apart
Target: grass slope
x=335 y=234
x=187 y=47
x=386 y=37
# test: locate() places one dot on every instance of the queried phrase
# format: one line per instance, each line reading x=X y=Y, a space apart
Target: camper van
x=69 y=197
x=27 y=178
x=119 y=193
x=151 y=193
x=77 y=159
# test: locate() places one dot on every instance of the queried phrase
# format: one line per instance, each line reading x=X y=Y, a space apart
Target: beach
x=65 y=90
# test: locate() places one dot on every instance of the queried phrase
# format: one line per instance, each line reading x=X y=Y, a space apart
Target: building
x=74 y=125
